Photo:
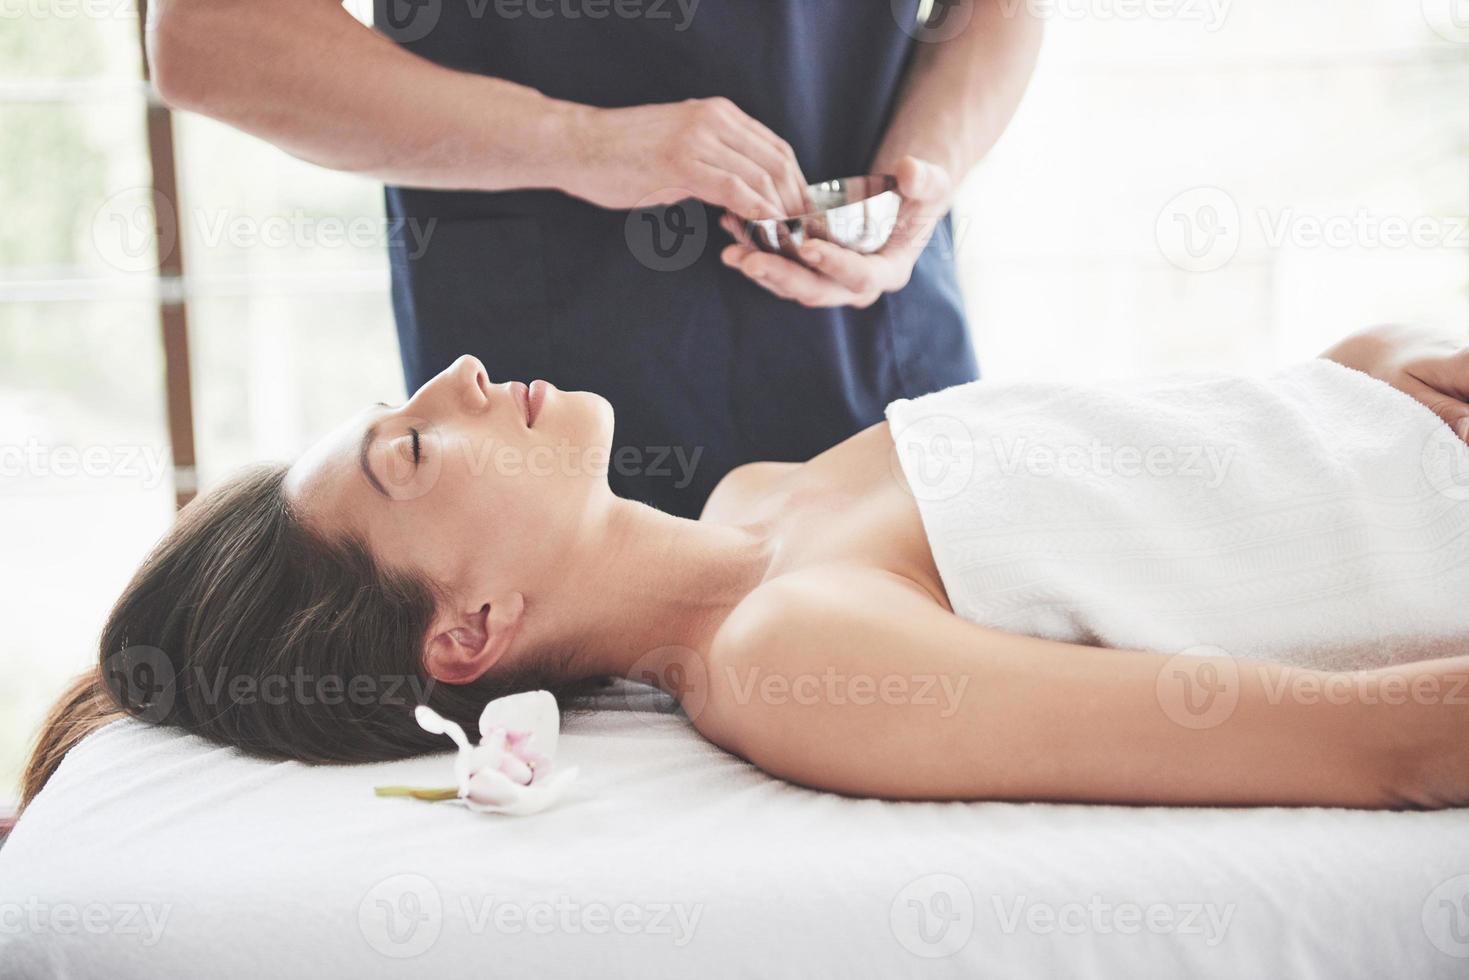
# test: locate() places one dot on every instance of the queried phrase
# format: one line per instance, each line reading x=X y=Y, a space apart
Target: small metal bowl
x=858 y=213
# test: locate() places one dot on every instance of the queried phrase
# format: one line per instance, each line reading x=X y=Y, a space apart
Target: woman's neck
x=648 y=587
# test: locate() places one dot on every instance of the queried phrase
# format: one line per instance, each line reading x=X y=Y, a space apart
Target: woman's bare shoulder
x=801 y=607
x=741 y=488
x=803 y=625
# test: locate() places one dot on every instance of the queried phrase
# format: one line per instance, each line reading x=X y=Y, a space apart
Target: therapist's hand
x=1430 y=368
x=649 y=155
x=839 y=276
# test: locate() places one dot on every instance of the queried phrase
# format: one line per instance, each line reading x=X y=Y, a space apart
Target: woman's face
x=475 y=486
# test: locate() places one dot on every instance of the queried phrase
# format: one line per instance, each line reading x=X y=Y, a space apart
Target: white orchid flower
x=512 y=768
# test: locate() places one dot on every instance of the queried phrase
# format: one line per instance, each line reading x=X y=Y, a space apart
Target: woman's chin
x=606 y=419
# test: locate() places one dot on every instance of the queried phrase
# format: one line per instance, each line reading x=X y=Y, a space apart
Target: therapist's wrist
x=546 y=134
x=939 y=185
x=885 y=161
x=562 y=160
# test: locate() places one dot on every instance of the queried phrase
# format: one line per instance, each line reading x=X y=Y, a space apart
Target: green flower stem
x=431 y=795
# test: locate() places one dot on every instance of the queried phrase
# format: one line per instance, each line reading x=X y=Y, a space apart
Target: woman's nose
x=470 y=375
x=465 y=382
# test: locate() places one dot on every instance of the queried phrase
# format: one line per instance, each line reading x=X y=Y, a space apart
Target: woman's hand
x=649 y=155
x=1427 y=367
x=835 y=276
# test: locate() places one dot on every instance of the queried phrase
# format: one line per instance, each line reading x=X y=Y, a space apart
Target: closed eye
x=417 y=447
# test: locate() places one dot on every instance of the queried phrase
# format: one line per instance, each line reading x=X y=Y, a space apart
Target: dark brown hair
x=247 y=627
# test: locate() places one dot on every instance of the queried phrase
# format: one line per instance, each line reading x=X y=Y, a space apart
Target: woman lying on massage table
x=1120 y=593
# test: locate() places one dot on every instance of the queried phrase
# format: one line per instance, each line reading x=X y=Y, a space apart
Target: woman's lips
x=521 y=394
x=535 y=398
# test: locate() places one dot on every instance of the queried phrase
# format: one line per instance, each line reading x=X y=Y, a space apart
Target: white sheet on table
x=283 y=870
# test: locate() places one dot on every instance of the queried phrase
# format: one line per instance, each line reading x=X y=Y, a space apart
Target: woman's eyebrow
x=362 y=450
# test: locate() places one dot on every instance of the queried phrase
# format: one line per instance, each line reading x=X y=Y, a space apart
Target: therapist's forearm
x=310 y=78
x=960 y=94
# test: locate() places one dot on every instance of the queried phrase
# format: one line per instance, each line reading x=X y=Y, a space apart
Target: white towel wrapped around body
x=1315 y=516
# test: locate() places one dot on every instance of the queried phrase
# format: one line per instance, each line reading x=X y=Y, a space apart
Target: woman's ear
x=464 y=646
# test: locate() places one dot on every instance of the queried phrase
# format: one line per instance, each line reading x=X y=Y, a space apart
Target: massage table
x=155 y=854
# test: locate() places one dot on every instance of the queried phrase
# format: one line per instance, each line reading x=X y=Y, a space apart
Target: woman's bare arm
x=1426 y=366
x=858 y=683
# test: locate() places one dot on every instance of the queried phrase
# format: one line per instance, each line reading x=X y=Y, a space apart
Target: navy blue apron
x=706 y=370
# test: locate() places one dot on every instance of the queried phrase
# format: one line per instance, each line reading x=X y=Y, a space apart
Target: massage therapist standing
x=541 y=150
